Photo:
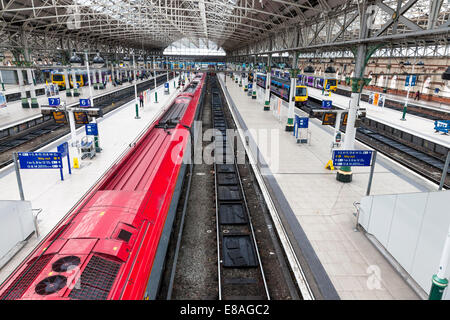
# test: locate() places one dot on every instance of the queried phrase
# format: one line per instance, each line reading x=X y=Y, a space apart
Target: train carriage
x=112 y=245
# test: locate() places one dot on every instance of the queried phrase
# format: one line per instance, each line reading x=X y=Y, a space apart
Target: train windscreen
x=331 y=82
x=300 y=92
x=57 y=77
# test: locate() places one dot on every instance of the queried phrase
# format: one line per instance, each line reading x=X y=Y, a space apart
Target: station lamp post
x=2 y=57
x=405 y=107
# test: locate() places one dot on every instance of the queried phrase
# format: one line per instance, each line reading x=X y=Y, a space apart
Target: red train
x=112 y=245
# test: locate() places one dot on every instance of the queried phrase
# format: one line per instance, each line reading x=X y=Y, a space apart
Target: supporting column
x=75 y=84
x=291 y=112
x=267 y=88
x=34 y=102
x=67 y=83
x=23 y=94
x=439 y=280
x=254 y=79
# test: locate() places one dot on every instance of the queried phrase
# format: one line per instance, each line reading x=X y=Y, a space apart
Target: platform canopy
x=231 y=24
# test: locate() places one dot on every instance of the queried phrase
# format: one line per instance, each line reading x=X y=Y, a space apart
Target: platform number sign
x=327 y=104
x=54 y=102
x=85 y=103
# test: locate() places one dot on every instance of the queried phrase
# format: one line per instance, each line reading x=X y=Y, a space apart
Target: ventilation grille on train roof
x=26 y=277
x=96 y=280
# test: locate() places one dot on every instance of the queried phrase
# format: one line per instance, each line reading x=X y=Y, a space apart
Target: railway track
x=223 y=245
x=240 y=271
x=39 y=136
x=425 y=164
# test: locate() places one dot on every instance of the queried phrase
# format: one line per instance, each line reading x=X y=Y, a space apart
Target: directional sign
x=91 y=129
x=63 y=149
x=327 y=104
x=85 y=102
x=59 y=116
x=329 y=118
x=442 y=126
x=54 y=102
x=40 y=160
x=352 y=158
x=80 y=117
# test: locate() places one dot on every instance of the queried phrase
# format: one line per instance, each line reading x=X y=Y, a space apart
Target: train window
x=57 y=77
x=300 y=92
x=332 y=82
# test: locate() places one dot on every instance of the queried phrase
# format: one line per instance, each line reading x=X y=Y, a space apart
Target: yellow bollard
x=329 y=165
x=76 y=164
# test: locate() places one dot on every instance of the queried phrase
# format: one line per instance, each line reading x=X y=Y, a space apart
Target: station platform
x=415 y=125
x=14 y=88
x=315 y=204
x=44 y=188
x=14 y=114
x=438 y=106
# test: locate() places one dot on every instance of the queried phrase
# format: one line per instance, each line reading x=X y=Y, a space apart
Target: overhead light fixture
x=446 y=74
x=75 y=60
x=98 y=61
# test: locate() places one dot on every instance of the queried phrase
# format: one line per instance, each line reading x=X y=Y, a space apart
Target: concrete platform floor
x=324 y=206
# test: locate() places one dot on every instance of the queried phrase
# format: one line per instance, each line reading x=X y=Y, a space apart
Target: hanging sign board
x=344 y=119
x=80 y=117
x=59 y=116
x=329 y=118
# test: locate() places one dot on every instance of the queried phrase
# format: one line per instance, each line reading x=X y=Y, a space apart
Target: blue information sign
x=41 y=160
x=54 y=102
x=91 y=129
x=64 y=150
x=352 y=158
x=85 y=102
x=250 y=86
x=301 y=122
x=413 y=80
x=442 y=126
x=327 y=104
x=166 y=85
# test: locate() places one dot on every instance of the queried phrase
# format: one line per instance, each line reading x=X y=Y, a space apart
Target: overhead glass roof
x=194 y=47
